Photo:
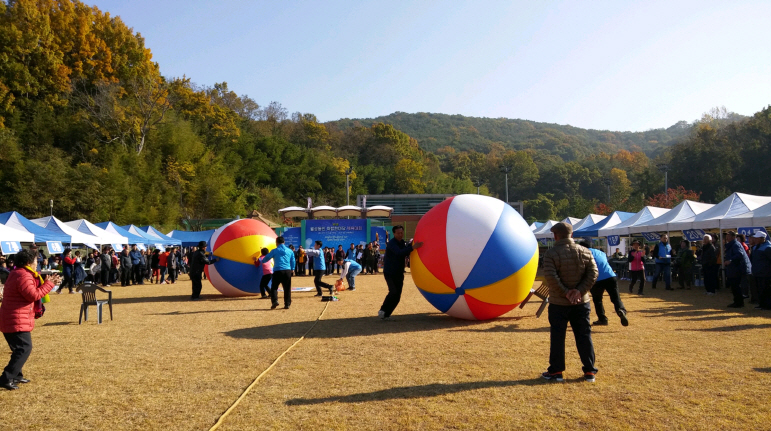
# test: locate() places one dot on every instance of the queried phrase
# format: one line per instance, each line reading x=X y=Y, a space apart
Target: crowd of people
x=367 y=256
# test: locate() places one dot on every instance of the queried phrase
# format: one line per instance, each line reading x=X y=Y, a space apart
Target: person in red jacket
x=17 y=316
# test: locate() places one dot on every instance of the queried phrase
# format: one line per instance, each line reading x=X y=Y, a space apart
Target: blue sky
x=613 y=65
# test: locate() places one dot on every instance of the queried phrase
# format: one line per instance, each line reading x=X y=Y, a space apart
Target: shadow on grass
x=504 y=328
x=359 y=326
x=174 y=298
x=410 y=392
x=763 y=370
x=59 y=323
x=730 y=328
x=179 y=313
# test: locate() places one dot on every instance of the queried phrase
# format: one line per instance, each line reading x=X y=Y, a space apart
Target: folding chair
x=541 y=292
x=89 y=298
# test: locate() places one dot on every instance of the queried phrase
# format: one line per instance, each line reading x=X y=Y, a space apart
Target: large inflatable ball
x=478 y=260
x=235 y=244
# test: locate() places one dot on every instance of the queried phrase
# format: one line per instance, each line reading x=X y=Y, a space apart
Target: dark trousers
x=21 y=346
x=105 y=277
x=163 y=274
x=330 y=267
x=637 y=275
x=317 y=273
x=172 y=275
x=710 y=277
x=197 y=286
x=138 y=274
x=608 y=285
x=666 y=269
x=264 y=289
x=764 y=292
x=578 y=316
x=685 y=277
x=125 y=275
x=283 y=278
x=395 y=284
x=735 y=284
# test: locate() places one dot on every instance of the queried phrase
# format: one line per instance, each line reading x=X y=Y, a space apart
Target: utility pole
x=478 y=183
x=506 y=169
x=663 y=167
x=607 y=182
x=348 y=172
x=52 y=207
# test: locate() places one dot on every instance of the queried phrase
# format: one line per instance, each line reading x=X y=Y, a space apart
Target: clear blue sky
x=618 y=65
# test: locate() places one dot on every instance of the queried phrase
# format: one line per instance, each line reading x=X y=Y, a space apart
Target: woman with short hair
x=23 y=288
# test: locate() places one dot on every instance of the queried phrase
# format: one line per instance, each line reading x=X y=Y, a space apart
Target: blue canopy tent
x=166 y=240
x=114 y=228
x=191 y=239
x=17 y=221
x=147 y=238
x=608 y=222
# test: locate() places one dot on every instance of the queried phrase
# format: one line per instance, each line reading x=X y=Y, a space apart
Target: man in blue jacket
x=397 y=251
x=283 y=264
x=606 y=281
x=662 y=252
x=761 y=268
x=136 y=265
x=319 y=268
x=351 y=269
x=737 y=265
x=351 y=252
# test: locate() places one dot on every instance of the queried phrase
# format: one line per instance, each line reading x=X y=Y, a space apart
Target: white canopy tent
x=10 y=234
x=379 y=211
x=760 y=217
x=545 y=230
x=349 y=211
x=78 y=237
x=324 y=211
x=646 y=214
x=571 y=220
x=86 y=227
x=734 y=205
x=294 y=212
x=683 y=211
x=589 y=220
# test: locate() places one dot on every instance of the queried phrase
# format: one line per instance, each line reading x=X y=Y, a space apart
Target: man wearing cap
x=197 y=265
x=570 y=273
x=761 y=268
x=737 y=265
x=709 y=264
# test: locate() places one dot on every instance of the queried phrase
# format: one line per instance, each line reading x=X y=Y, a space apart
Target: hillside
x=435 y=131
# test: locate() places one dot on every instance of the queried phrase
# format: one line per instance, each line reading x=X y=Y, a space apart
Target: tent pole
x=722 y=256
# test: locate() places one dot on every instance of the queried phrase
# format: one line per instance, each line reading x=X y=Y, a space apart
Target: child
x=267 y=273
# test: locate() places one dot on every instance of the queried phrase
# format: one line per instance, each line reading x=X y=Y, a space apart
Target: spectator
x=637 y=267
x=709 y=265
x=368 y=258
x=761 y=269
x=328 y=259
x=163 y=259
x=171 y=265
x=662 y=252
x=301 y=260
x=737 y=265
x=606 y=282
x=78 y=273
x=570 y=273
x=23 y=289
x=155 y=264
x=745 y=283
x=126 y=267
x=68 y=269
x=339 y=255
x=196 y=269
x=136 y=265
x=106 y=265
x=351 y=253
x=617 y=254
x=685 y=261
x=115 y=266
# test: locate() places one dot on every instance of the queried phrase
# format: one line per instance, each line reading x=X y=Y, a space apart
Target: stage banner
x=292 y=236
x=614 y=240
x=379 y=234
x=335 y=232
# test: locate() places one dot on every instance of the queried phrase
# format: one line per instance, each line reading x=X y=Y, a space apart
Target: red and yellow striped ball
x=235 y=244
x=478 y=260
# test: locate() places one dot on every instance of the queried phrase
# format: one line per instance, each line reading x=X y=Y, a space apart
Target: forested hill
x=435 y=131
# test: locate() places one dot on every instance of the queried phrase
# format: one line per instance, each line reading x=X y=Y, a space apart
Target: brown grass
x=168 y=363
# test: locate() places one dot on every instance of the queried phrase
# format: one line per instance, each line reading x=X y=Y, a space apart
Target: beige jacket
x=566 y=266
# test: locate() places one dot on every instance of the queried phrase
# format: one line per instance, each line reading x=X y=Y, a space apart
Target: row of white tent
x=736 y=211
x=16 y=228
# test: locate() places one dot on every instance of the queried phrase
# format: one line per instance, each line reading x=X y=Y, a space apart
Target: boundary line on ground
x=254 y=383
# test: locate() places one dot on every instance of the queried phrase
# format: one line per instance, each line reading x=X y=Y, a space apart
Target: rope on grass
x=254 y=383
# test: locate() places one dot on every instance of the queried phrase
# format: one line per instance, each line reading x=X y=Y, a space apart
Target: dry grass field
x=685 y=362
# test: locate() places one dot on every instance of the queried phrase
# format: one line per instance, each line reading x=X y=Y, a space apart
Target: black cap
x=202 y=244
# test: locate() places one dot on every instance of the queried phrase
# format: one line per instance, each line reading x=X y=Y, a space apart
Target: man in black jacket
x=393 y=270
x=197 y=265
x=709 y=265
x=106 y=265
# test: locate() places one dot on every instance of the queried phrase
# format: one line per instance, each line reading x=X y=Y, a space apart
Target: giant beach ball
x=478 y=260
x=235 y=244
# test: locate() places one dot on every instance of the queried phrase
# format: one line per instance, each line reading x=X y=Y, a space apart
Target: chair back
x=89 y=293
